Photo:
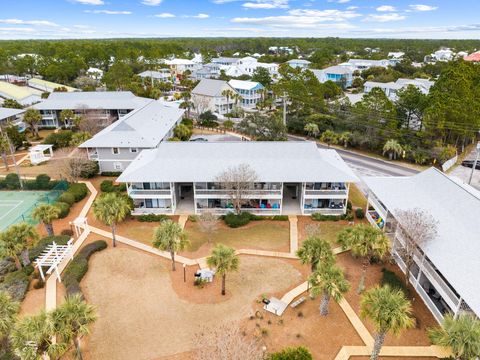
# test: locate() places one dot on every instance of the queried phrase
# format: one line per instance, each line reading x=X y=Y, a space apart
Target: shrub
x=36 y=250
x=39 y=284
x=43 y=182
x=359 y=213
x=59 y=139
x=16 y=284
x=64 y=209
x=187 y=122
x=12 y=182
x=89 y=169
x=291 y=353
x=78 y=267
x=152 y=218
x=111 y=173
x=78 y=190
x=67 y=232
x=349 y=205
x=234 y=221
x=280 y=218
x=67 y=197
x=390 y=278
x=108 y=186
x=321 y=217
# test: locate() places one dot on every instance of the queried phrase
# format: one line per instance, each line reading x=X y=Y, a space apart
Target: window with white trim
x=117 y=166
x=115 y=151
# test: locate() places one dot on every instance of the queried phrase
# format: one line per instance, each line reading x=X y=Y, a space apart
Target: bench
x=298 y=302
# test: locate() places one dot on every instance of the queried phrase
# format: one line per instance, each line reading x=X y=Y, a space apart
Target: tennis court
x=17 y=206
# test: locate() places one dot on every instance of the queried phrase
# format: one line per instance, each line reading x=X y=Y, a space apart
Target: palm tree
x=46 y=213
x=329 y=137
x=389 y=310
x=223 y=259
x=72 y=319
x=311 y=129
x=4 y=148
x=315 y=251
x=32 y=338
x=345 y=138
x=328 y=280
x=32 y=118
x=112 y=208
x=237 y=98
x=461 y=334
x=228 y=94
x=8 y=316
x=366 y=242
x=67 y=115
x=187 y=105
x=392 y=148
x=16 y=239
x=170 y=236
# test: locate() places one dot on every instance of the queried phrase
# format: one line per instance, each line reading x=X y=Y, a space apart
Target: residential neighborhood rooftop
x=6 y=113
x=456 y=207
x=48 y=85
x=22 y=94
x=272 y=162
x=245 y=85
x=209 y=87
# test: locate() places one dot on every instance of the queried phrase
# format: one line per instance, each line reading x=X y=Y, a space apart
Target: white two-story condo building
x=447 y=267
x=117 y=145
x=291 y=178
x=106 y=106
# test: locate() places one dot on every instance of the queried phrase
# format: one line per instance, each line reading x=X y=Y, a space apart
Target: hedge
x=78 y=190
x=237 y=220
x=78 y=267
x=67 y=197
x=41 y=182
x=292 y=353
x=64 y=209
x=320 y=217
x=111 y=173
x=152 y=218
x=359 y=213
x=108 y=186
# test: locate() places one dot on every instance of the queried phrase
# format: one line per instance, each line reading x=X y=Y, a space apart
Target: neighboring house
x=179 y=66
x=341 y=75
x=443 y=55
x=280 y=50
x=118 y=144
x=207 y=95
x=250 y=91
x=364 y=64
x=11 y=117
x=291 y=178
x=207 y=71
x=227 y=61
x=95 y=73
x=107 y=106
x=299 y=63
x=391 y=88
x=446 y=269
x=22 y=94
x=243 y=66
x=163 y=75
x=48 y=86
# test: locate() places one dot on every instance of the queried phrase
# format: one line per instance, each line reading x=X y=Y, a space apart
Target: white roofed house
x=208 y=95
x=289 y=178
x=24 y=95
x=391 y=88
x=179 y=66
x=117 y=145
x=11 y=117
x=341 y=75
x=48 y=86
x=250 y=91
x=163 y=75
x=107 y=106
x=364 y=64
x=299 y=63
x=446 y=268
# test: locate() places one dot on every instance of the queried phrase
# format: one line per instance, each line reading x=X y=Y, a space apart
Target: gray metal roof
x=272 y=162
x=6 y=113
x=456 y=207
x=143 y=128
x=210 y=87
x=108 y=100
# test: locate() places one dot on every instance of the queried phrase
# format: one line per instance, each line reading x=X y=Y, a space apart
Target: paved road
x=366 y=165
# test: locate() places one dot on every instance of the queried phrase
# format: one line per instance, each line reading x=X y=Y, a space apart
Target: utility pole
x=284 y=108
x=475 y=163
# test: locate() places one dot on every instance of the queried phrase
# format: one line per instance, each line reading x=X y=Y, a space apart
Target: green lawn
x=266 y=235
x=356 y=197
x=330 y=229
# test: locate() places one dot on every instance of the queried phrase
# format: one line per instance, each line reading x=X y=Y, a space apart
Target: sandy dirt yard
x=142 y=317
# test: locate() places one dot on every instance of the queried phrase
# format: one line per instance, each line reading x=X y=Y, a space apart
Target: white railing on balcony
x=326 y=192
x=256 y=211
x=437 y=281
x=372 y=221
x=252 y=192
x=156 y=211
x=429 y=302
x=380 y=209
x=147 y=193
x=324 y=211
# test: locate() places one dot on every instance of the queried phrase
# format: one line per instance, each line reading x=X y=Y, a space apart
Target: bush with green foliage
x=292 y=353
x=108 y=186
x=359 y=213
x=12 y=182
x=64 y=209
x=59 y=139
x=16 y=284
x=67 y=232
x=78 y=267
x=16 y=137
x=390 y=278
x=208 y=119
x=78 y=190
x=111 y=173
x=43 y=182
x=152 y=218
x=90 y=169
x=67 y=197
x=237 y=220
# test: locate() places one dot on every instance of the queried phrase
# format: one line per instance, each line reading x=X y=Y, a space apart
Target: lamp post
x=184 y=273
x=474 y=163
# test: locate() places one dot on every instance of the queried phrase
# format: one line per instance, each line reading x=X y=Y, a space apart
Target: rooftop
x=456 y=207
x=47 y=85
x=18 y=93
x=245 y=85
x=6 y=113
x=272 y=161
x=109 y=100
x=209 y=87
x=143 y=128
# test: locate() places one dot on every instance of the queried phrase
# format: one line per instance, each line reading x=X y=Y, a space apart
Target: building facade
x=250 y=91
x=209 y=95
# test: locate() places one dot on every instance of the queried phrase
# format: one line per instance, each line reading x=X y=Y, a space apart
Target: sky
x=53 y=19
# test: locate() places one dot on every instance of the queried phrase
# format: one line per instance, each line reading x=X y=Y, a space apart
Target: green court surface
x=17 y=206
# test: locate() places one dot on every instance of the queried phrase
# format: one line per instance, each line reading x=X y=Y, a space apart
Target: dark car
x=199 y=139
x=469 y=163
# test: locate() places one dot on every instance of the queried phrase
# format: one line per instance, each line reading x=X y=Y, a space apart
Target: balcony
x=256 y=211
x=155 y=211
x=154 y=193
x=251 y=193
x=378 y=207
x=326 y=193
x=324 y=211
x=374 y=219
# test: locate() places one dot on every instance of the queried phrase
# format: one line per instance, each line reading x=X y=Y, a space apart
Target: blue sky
x=24 y=19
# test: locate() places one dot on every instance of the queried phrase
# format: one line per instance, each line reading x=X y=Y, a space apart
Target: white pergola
x=37 y=153
x=52 y=256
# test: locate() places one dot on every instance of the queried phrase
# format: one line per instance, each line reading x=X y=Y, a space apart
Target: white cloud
x=89 y=2
x=152 y=2
x=420 y=7
x=386 y=8
x=164 y=15
x=108 y=12
x=266 y=4
x=27 y=22
x=18 y=30
x=198 y=16
x=339 y=1
x=385 y=17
